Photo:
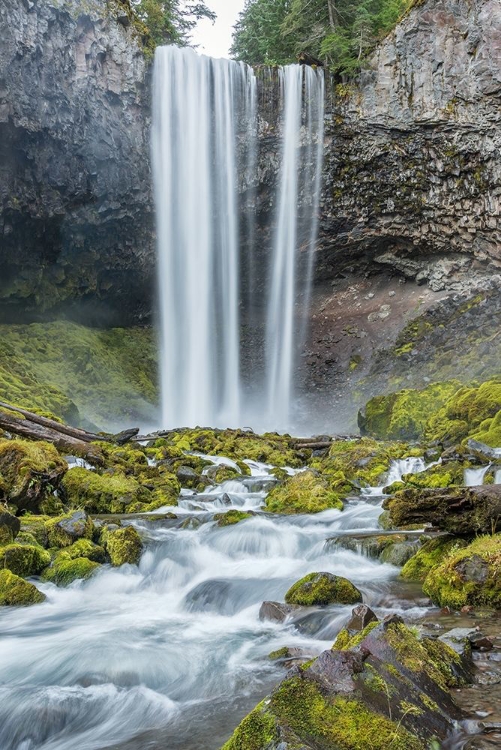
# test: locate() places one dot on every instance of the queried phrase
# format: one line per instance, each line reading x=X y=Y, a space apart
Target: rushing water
x=204 y=138
x=172 y=654
x=475 y=477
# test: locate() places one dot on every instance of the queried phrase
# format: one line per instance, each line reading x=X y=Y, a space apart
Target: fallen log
x=75 y=432
x=463 y=511
x=63 y=442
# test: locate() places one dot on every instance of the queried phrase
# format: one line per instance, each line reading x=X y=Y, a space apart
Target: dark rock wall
x=75 y=191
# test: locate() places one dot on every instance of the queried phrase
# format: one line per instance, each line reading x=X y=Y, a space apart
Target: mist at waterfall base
x=214 y=272
x=172 y=653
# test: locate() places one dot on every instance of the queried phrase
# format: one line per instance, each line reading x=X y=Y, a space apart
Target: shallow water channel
x=173 y=654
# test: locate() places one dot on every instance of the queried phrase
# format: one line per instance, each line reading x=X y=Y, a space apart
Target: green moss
x=431 y=554
x=470 y=412
x=65 y=571
x=35 y=526
x=303 y=493
x=345 y=641
x=106 y=493
x=16 y=592
x=404 y=415
x=322 y=589
x=104 y=372
x=447 y=661
x=337 y=722
x=231 y=517
x=468 y=576
x=281 y=653
x=83 y=548
x=23 y=559
x=255 y=732
x=124 y=546
x=489 y=431
x=30 y=471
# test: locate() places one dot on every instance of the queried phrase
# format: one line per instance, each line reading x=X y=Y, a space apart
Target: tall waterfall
x=204 y=147
x=302 y=92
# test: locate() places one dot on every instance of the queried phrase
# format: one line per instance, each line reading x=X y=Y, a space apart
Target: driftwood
x=463 y=511
x=63 y=442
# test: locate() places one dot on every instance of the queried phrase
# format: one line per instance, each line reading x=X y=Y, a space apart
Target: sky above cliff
x=215 y=39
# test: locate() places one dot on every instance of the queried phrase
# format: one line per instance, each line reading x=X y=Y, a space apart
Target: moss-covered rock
x=24 y=559
x=322 y=589
x=468 y=576
x=36 y=527
x=431 y=554
x=106 y=493
x=124 y=546
x=31 y=471
x=16 y=592
x=83 y=548
x=470 y=412
x=65 y=571
x=404 y=415
x=346 y=640
x=231 y=517
x=63 y=531
x=10 y=526
x=305 y=492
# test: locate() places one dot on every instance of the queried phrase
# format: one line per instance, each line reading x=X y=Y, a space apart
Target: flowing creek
x=172 y=654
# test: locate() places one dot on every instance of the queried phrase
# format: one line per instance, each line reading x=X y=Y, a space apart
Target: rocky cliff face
x=75 y=204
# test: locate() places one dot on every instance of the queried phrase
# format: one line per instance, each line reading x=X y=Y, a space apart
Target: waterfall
x=302 y=90
x=197 y=103
x=204 y=155
x=475 y=477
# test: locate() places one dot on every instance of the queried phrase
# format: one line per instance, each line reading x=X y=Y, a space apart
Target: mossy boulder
x=83 y=548
x=24 y=559
x=124 y=546
x=231 y=517
x=470 y=412
x=10 y=526
x=31 y=472
x=468 y=576
x=63 y=531
x=429 y=556
x=389 y=691
x=16 y=592
x=322 y=589
x=399 y=553
x=111 y=492
x=305 y=492
x=404 y=415
x=36 y=527
x=65 y=571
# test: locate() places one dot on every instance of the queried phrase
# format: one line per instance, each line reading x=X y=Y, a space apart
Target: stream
x=172 y=654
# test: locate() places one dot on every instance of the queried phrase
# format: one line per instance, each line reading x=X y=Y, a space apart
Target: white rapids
x=172 y=654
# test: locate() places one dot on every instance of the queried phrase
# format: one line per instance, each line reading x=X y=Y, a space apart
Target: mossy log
x=463 y=511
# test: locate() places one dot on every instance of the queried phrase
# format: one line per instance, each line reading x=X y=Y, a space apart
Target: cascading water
x=302 y=91
x=204 y=141
x=197 y=105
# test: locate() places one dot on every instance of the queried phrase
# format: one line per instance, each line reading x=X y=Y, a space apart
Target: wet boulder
x=10 y=527
x=389 y=691
x=64 y=571
x=361 y=616
x=231 y=517
x=63 y=531
x=468 y=576
x=276 y=611
x=24 y=559
x=16 y=592
x=124 y=546
x=320 y=589
x=188 y=477
x=428 y=556
x=83 y=548
x=399 y=553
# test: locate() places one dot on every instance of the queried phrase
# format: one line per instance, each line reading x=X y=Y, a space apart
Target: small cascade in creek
x=302 y=92
x=200 y=106
x=475 y=477
x=205 y=167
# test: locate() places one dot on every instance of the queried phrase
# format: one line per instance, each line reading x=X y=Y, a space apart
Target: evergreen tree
x=171 y=21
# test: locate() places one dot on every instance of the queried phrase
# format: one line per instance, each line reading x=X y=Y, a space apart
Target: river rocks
x=188 y=477
x=15 y=592
x=124 y=546
x=9 y=527
x=390 y=691
x=276 y=611
x=65 y=530
x=303 y=493
x=399 y=553
x=361 y=616
x=429 y=556
x=107 y=493
x=31 y=472
x=322 y=589
x=83 y=548
x=457 y=510
x=24 y=559
x=468 y=576
x=231 y=517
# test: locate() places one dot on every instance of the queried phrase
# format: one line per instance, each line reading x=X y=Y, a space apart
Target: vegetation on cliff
x=171 y=21
x=339 y=33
